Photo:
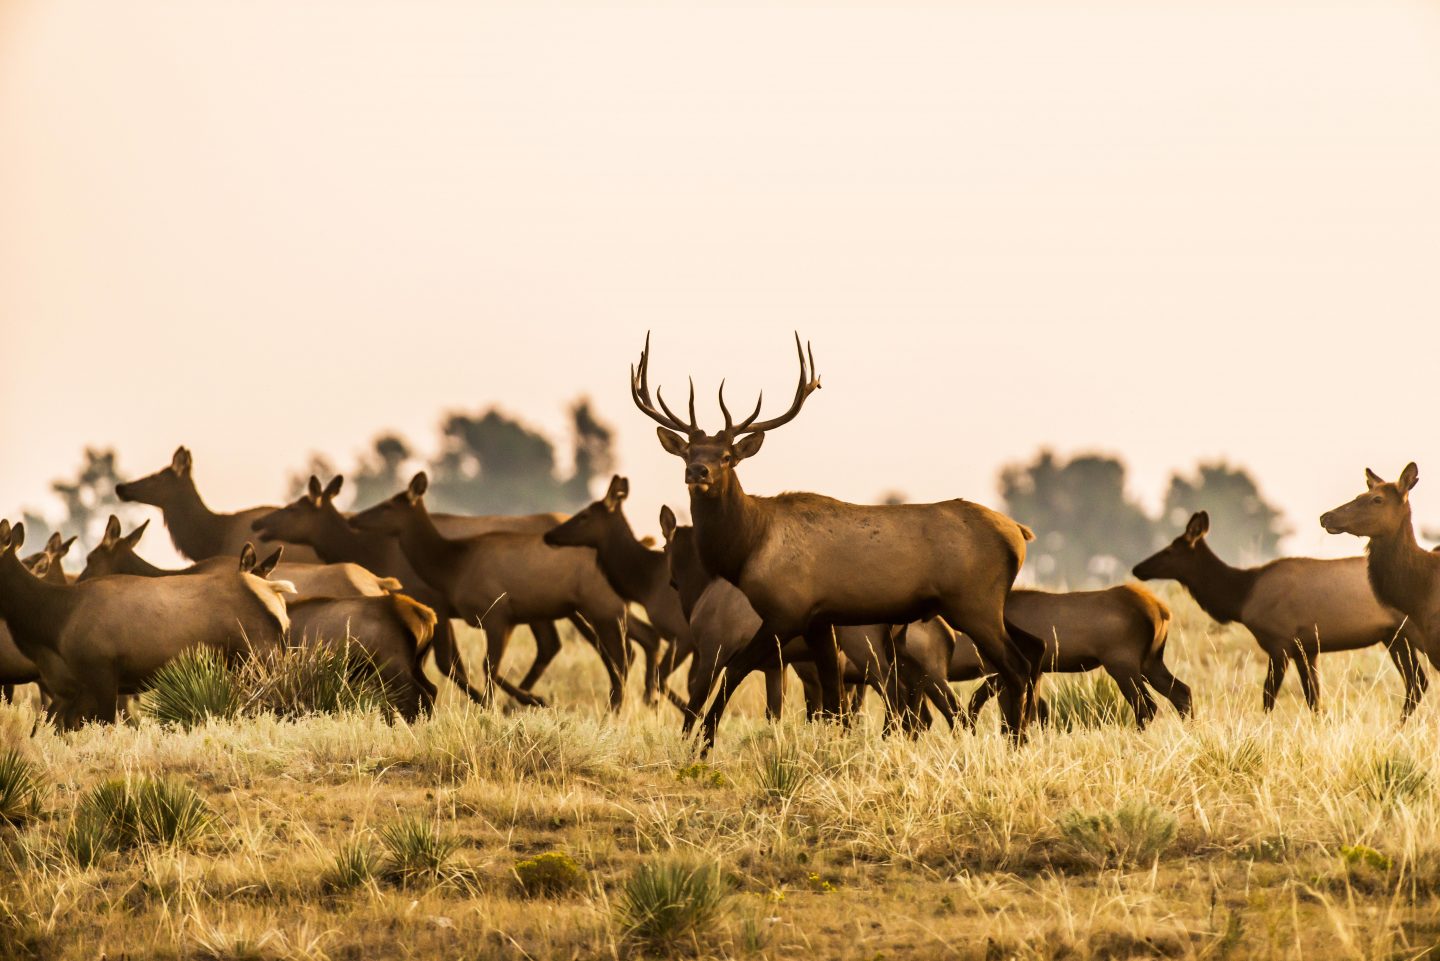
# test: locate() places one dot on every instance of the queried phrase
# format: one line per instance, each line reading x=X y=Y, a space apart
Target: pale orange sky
x=1167 y=230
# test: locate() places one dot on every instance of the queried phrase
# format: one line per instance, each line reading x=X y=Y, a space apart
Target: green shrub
x=194 y=687
x=670 y=900
x=125 y=813
x=415 y=850
x=355 y=865
x=701 y=773
x=314 y=679
x=1089 y=701
x=1135 y=834
x=549 y=875
x=20 y=788
x=780 y=771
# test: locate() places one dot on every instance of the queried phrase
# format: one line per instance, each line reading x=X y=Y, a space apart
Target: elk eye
x=1377 y=499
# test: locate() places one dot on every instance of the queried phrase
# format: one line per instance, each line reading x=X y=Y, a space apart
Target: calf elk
x=1296 y=607
x=809 y=563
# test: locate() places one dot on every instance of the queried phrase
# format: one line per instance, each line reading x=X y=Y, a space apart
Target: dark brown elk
x=1403 y=574
x=1121 y=629
x=809 y=563
x=636 y=572
x=15 y=667
x=94 y=641
x=115 y=554
x=314 y=519
x=501 y=580
x=1296 y=607
x=47 y=563
x=392 y=631
x=197 y=532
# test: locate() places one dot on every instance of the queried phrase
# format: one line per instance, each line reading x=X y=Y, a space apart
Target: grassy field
x=1235 y=835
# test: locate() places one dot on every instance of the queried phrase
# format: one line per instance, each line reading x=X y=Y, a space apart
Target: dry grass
x=1234 y=836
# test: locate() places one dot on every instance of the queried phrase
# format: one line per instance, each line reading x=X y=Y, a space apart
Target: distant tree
x=1087 y=530
x=893 y=498
x=380 y=473
x=594 y=453
x=1244 y=527
x=88 y=499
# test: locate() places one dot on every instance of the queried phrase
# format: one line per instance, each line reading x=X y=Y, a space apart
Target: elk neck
x=632 y=569
x=1219 y=589
x=435 y=557
x=35 y=611
x=728 y=528
x=195 y=530
x=1401 y=572
x=337 y=542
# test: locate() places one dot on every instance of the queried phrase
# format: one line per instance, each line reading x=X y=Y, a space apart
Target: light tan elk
x=635 y=572
x=1296 y=607
x=115 y=554
x=502 y=580
x=809 y=563
x=1404 y=575
x=95 y=641
x=1122 y=629
x=393 y=631
x=314 y=519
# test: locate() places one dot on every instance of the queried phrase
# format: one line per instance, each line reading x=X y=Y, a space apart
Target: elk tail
x=1026 y=532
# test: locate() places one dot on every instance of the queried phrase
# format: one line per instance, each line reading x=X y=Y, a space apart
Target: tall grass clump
x=1391 y=777
x=20 y=788
x=781 y=770
x=125 y=813
x=1134 y=834
x=416 y=850
x=354 y=865
x=314 y=679
x=1089 y=701
x=191 y=689
x=670 y=901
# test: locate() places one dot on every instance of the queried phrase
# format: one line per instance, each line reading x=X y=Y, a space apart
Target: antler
x=640 y=393
x=809 y=383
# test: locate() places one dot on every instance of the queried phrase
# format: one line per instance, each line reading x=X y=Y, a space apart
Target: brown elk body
x=1403 y=574
x=15 y=667
x=1122 y=629
x=95 y=641
x=809 y=563
x=637 y=573
x=393 y=631
x=501 y=580
x=1296 y=607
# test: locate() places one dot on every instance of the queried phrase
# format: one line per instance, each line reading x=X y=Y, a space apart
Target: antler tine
x=808 y=384
x=640 y=393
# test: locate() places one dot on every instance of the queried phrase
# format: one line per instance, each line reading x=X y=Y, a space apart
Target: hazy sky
x=1167 y=230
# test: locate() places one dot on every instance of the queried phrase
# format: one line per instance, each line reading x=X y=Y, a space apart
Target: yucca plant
x=313 y=679
x=780 y=771
x=194 y=687
x=127 y=812
x=1391 y=777
x=355 y=865
x=20 y=788
x=671 y=900
x=416 y=850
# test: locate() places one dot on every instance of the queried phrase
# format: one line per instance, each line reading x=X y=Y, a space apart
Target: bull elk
x=501 y=580
x=809 y=563
x=1296 y=607
x=95 y=641
x=1403 y=574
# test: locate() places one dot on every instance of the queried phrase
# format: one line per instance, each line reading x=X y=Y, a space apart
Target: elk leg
x=1309 y=678
x=446 y=647
x=1279 y=664
x=497 y=639
x=989 y=686
x=547 y=645
x=762 y=650
x=821 y=641
x=648 y=639
x=7 y=693
x=680 y=650
x=1412 y=673
x=1132 y=687
x=615 y=655
x=1158 y=676
x=702 y=678
x=774 y=692
x=1017 y=669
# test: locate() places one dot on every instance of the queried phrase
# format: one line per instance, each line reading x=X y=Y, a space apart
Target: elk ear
x=748 y=446
x=247 y=558
x=63 y=547
x=112 y=532
x=313 y=489
x=1409 y=477
x=181 y=462
x=1198 y=527
x=1372 y=479
x=17 y=536
x=671 y=441
x=133 y=538
x=615 y=496
x=267 y=566
x=333 y=488
x=53 y=544
x=4 y=533
x=667 y=522
x=419 y=484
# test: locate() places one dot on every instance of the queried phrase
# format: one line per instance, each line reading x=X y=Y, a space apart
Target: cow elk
x=1296 y=607
x=809 y=563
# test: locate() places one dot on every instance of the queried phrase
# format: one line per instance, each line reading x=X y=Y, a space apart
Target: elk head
x=298 y=520
x=391 y=515
x=108 y=557
x=161 y=487
x=1383 y=510
x=710 y=459
x=589 y=527
x=1180 y=557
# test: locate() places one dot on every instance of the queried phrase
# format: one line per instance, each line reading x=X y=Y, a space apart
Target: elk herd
x=898 y=599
